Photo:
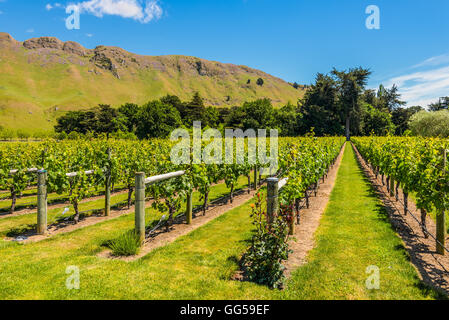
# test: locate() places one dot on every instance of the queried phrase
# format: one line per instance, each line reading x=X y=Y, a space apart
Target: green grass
x=128 y=244
x=38 y=87
x=196 y=266
x=354 y=233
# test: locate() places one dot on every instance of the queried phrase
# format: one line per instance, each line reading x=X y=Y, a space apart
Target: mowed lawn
x=354 y=234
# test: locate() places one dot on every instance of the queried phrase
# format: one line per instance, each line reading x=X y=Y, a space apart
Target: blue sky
x=292 y=39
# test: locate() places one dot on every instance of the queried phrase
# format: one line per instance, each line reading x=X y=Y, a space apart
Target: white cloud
x=89 y=35
x=434 y=61
x=142 y=11
x=423 y=87
x=50 y=6
x=30 y=30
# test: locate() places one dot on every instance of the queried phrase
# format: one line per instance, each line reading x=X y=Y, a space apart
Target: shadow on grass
x=156 y=228
x=433 y=281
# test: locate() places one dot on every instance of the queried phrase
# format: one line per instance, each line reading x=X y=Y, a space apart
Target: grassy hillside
x=43 y=77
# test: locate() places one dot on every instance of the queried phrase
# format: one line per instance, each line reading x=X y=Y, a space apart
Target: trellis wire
x=423 y=227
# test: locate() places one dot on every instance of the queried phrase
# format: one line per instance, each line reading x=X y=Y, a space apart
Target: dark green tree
x=287 y=119
x=157 y=120
x=130 y=111
x=401 y=118
x=71 y=121
x=211 y=117
x=442 y=104
x=350 y=85
x=320 y=109
x=388 y=99
x=109 y=120
x=376 y=121
x=174 y=101
x=258 y=114
x=194 y=110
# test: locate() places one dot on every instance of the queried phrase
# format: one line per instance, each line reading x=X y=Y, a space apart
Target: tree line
x=158 y=118
x=337 y=103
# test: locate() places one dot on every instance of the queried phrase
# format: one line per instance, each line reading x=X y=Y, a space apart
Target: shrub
x=430 y=124
x=127 y=244
x=22 y=134
x=73 y=135
x=61 y=136
x=41 y=135
x=123 y=135
x=6 y=134
x=263 y=260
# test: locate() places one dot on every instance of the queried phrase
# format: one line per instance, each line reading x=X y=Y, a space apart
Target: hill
x=42 y=78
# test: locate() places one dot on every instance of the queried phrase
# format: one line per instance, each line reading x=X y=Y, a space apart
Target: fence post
x=189 y=208
x=140 y=206
x=255 y=178
x=41 y=202
x=441 y=217
x=391 y=186
x=272 y=198
x=405 y=202
x=307 y=199
x=397 y=191
x=107 y=190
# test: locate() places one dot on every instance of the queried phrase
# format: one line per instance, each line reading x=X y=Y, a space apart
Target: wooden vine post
x=391 y=186
x=405 y=202
x=41 y=202
x=107 y=189
x=272 y=198
x=306 y=194
x=441 y=218
x=255 y=178
x=141 y=182
x=189 y=208
x=140 y=206
x=397 y=191
x=298 y=208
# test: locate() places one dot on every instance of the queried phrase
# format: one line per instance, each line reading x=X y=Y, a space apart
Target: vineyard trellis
x=419 y=166
x=82 y=167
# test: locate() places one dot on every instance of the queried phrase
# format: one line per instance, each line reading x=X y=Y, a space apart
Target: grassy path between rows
x=354 y=234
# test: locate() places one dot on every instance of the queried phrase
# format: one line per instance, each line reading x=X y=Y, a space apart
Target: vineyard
x=125 y=213
x=419 y=167
x=76 y=172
